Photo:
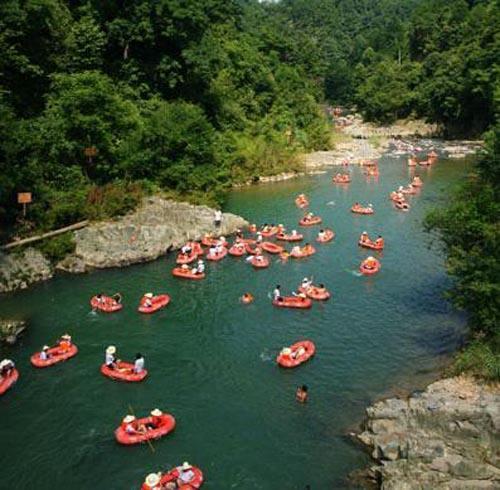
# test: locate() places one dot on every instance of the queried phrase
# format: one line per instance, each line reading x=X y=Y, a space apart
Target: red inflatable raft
x=167 y=425
x=8 y=381
x=316 y=293
x=272 y=248
x=124 y=371
x=157 y=303
x=237 y=251
x=187 y=274
x=329 y=236
x=371 y=245
x=368 y=271
x=260 y=264
x=186 y=258
x=342 y=179
x=288 y=361
x=293 y=302
x=211 y=242
x=303 y=253
x=362 y=210
x=173 y=475
x=107 y=304
x=270 y=232
x=289 y=238
x=56 y=355
x=315 y=220
x=217 y=255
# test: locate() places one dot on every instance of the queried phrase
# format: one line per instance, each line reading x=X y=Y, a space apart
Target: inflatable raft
x=329 y=236
x=270 y=232
x=216 y=256
x=186 y=258
x=56 y=355
x=288 y=361
x=167 y=425
x=260 y=264
x=315 y=220
x=107 y=304
x=124 y=371
x=272 y=248
x=8 y=381
x=371 y=245
x=195 y=483
x=314 y=292
x=362 y=210
x=157 y=303
x=369 y=271
x=292 y=302
x=303 y=253
x=187 y=274
x=342 y=179
x=289 y=238
x=237 y=250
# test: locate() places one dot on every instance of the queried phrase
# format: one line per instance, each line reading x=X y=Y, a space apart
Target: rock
x=11 y=329
x=72 y=264
x=156 y=227
x=444 y=438
x=19 y=270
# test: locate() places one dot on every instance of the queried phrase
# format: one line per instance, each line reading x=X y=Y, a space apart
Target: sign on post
x=24 y=198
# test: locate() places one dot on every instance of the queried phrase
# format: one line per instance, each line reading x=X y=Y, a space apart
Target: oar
x=150 y=444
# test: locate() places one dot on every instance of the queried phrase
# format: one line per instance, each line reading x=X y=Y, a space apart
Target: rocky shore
x=10 y=330
x=156 y=227
x=446 y=437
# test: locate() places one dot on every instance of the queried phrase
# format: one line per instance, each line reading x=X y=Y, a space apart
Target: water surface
x=211 y=359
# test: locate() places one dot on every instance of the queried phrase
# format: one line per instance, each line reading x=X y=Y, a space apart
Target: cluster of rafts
x=135 y=431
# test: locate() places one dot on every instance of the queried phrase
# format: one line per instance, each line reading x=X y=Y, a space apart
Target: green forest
x=104 y=101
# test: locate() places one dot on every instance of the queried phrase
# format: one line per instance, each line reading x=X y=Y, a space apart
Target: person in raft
x=117 y=297
x=258 y=238
x=307 y=248
x=277 y=293
x=153 y=482
x=44 y=353
x=364 y=237
x=186 y=474
x=200 y=268
x=6 y=367
x=148 y=301
x=139 y=363
x=65 y=342
x=301 y=394
x=217 y=217
x=306 y=283
x=131 y=426
x=186 y=249
x=370 y=262
x=321 y=234
x=110 y=357
x=155 y=419
x=295 y=250
x=294 y=233
x=379 y=241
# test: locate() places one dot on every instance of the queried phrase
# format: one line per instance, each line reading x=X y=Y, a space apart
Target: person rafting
x=155 y=419
x=110 y=357
x=131 y=426
x=259 y=237
x=117 y=297
x=370 y=263
x=306 y=283
x=153 y=482
x=148 y=300
x=200 y=268
x=186 y=474
x=139 y=363
x=277 y=293
x=364 y=237
x=307 y=248
x=321 y=289
x=379 y=241
x=321 y=234
x=286 y=353
x=44 y=353
x=295 y=250
x=247 y=298
x=186 y=249
x=65 y=342
x=301 y=394
x=6 y=367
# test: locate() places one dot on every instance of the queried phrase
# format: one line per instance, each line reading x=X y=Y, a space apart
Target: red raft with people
x=270 y=231
x=315 y=292
x=107 y=304
x=310 y=221
x=124 y=371
x=369 y=266
x=297 y=237
x=217 y=255
x=157 y=481
x=271 y=247
x=293 y=302
x=165 y=424
x=361 y=209
x=208 y=241
x=187 y=274
x=328 y=236
x=56 y=354
x=303 y=252
x=296 y=354
x=6 y=382
x=341 y=179
x=150 y=304
x=259 y=262
x=378 y=244
x=186 y=258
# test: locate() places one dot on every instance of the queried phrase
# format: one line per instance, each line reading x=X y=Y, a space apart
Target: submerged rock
x=158 y=226
x=11 y=329
x=444 y=438
x=19 y=270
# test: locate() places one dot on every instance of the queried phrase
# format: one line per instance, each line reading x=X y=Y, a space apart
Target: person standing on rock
x=218 y=218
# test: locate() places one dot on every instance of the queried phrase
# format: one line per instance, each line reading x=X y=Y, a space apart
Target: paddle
x=150 y=444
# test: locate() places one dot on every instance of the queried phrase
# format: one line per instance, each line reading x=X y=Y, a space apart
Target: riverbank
x=156 y=227
x=447 y=436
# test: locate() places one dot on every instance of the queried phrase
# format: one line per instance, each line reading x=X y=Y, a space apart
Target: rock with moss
x=10 y=330
x=446 y=437
x=21 y=269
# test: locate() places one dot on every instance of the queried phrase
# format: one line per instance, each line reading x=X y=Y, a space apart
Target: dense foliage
x=181 y=96
x=470 y=233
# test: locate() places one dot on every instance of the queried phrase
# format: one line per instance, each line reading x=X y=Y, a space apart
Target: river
x=211 y=359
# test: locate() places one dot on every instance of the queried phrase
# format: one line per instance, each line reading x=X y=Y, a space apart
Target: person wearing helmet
x=186 y=474
x=44 y=354
x=110 y=357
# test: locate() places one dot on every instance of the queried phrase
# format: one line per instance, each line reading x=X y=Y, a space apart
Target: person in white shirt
x=186 y=474
x=259 y=237
x=201 y=267
x=277 y=292
x=44 y=354
x=139 y=363
x=110 y=357
x=294 y=232
x=306 y=283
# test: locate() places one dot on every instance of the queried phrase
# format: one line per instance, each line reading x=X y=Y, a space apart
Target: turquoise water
x=211 y=359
